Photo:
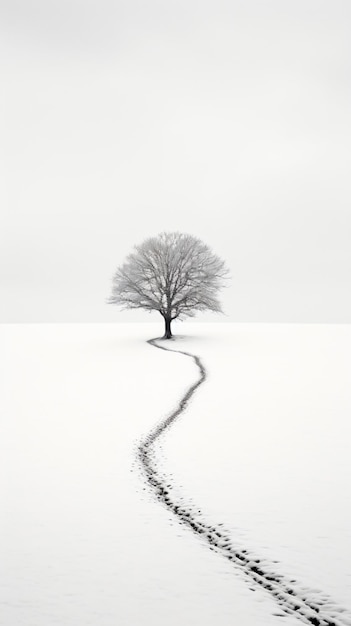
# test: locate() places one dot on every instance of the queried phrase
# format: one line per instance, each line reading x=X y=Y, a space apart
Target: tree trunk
x=168 y=333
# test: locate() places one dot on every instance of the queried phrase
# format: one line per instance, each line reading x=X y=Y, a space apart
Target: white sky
x=229 y=120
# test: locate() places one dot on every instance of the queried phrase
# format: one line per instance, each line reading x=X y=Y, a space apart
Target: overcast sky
x=229 y=120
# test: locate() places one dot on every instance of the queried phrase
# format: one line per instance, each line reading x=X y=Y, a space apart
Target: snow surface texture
x=263 y=449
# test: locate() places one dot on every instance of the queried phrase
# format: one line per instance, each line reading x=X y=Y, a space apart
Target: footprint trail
x=309 y=606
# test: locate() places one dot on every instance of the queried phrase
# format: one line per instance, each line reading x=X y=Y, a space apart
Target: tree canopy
x=173 y=273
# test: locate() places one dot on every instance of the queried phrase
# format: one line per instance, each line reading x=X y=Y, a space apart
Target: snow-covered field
x=263 y=448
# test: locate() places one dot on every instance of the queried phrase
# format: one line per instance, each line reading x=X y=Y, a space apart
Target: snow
x=263 y=448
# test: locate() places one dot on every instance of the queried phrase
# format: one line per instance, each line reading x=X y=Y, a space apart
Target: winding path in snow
x=289 y=596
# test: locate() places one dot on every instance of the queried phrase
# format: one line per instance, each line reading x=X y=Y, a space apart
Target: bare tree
x=175 y=274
